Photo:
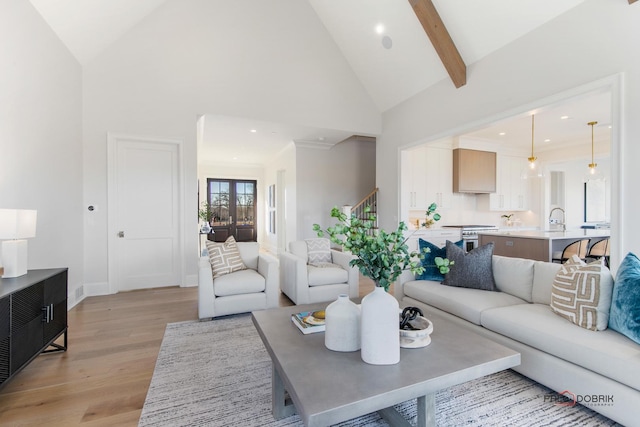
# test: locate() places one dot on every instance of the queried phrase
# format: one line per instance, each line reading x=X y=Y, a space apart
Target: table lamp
x=16 y=225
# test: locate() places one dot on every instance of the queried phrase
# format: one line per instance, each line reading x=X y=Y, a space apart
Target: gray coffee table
x=325 y=387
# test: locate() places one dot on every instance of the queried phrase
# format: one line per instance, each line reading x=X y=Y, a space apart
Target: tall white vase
x=342 y=325
x=379 y=330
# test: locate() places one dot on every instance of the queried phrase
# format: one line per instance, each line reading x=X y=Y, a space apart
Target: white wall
x=40 y=137
x=285 y=161
x=191 y=57
x=342 y=175
x=593 y=41
x=575 y=173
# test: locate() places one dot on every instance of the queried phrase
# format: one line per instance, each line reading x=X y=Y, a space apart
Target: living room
x=155 y=80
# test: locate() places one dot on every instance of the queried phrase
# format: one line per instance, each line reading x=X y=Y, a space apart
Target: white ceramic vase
x=379 y=333
x=342 y=325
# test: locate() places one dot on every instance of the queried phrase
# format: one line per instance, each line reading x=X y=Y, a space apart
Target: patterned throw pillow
x=224 y=257
x=471 y=270
x=581 y=293
x=318 y=251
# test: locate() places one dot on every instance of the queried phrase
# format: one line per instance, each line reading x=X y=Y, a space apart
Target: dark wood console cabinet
x=33 y=314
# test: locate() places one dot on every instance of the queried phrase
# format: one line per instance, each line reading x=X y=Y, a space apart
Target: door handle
x=230 y=220
x=121 y=234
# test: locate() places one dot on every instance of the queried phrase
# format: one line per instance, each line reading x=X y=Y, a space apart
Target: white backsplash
x=464 y=210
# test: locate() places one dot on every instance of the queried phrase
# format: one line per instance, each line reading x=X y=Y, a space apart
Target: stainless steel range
x=470 y=234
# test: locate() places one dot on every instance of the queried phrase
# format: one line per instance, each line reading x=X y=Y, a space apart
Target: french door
x=233 y=206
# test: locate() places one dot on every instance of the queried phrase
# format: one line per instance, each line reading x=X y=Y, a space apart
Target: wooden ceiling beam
x=441 y=40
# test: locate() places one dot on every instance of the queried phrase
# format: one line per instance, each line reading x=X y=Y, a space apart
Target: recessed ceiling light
x=253 y=131
x=321 y=138
x=235 y=158
x=564 y=117
x=502 y=133
x=379 y=28
x=547 y=140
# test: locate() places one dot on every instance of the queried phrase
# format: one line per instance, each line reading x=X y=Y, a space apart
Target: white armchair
x=305 y=283
x=255 y=288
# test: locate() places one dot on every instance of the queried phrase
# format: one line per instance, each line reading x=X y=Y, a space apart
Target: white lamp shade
x=17 y=224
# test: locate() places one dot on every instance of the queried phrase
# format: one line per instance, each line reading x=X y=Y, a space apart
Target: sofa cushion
x=318 y=251
x=431 y=271
x=462 y=302
x=625 y=306
x=581 y=293
x=471 y=270
x=240 y=282
x=224 y=257
x=326 y=275
x=513 y=276
x=606 y=352
x=543 y=275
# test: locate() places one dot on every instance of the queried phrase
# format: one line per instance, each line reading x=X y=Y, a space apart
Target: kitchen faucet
x=563 y=223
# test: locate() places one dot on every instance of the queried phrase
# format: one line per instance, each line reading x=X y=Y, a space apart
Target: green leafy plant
x=379 y=255
x=431 y=210
x=205 y=212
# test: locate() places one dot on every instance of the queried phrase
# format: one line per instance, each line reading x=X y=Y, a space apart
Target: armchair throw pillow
x=471 y=270
x=318 y=251
x=431 y=271
x=224 y=257
x=581 y=293
x=625 y=304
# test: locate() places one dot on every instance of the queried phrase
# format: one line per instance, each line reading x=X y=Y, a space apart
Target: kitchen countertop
x=549 y=235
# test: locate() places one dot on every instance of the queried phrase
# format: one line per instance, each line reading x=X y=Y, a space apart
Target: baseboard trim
x=95 y=289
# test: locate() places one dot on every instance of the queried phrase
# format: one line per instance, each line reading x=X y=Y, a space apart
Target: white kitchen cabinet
x=511 y=190
x=427 y=178
x=437 y=236
x=439 y=176
x=414 y=179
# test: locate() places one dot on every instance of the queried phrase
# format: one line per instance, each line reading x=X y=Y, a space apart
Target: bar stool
x=579 y=247
x=600 y=249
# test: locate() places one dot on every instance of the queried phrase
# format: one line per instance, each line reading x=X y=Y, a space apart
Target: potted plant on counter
x=205 y=213
x=507 y=218
x=429 y=220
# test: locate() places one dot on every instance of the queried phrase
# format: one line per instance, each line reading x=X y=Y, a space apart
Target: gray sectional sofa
x=602 y=368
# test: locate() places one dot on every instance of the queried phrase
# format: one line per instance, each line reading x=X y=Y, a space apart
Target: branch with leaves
x=431 y=210
x=379 y=255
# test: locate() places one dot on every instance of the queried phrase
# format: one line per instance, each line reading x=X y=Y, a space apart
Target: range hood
x=474 y=171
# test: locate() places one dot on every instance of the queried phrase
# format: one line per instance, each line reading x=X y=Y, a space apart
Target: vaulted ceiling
x=383 y=40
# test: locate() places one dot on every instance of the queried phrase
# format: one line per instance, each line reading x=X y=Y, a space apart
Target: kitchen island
x=537 y=245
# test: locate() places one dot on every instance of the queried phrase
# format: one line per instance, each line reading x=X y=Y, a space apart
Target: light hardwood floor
x=102 y=380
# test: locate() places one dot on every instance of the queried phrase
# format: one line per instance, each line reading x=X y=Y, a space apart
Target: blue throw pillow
x=431 y=272
x=624 y=316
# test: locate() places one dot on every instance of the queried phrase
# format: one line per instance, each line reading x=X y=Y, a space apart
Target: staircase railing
x=370 y=200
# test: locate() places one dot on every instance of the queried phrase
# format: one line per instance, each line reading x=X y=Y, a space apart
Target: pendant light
x=535 y=169
x=532 y=159
x=593 y=164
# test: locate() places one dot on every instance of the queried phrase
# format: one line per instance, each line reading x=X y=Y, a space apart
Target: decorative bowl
x=418 y=337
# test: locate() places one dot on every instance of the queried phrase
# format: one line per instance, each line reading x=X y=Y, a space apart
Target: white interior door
x=144 y=213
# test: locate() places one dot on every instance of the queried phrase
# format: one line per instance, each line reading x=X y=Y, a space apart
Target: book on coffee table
x=307 y=323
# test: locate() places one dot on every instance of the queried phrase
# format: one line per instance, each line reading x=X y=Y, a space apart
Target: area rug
x=218 y=374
